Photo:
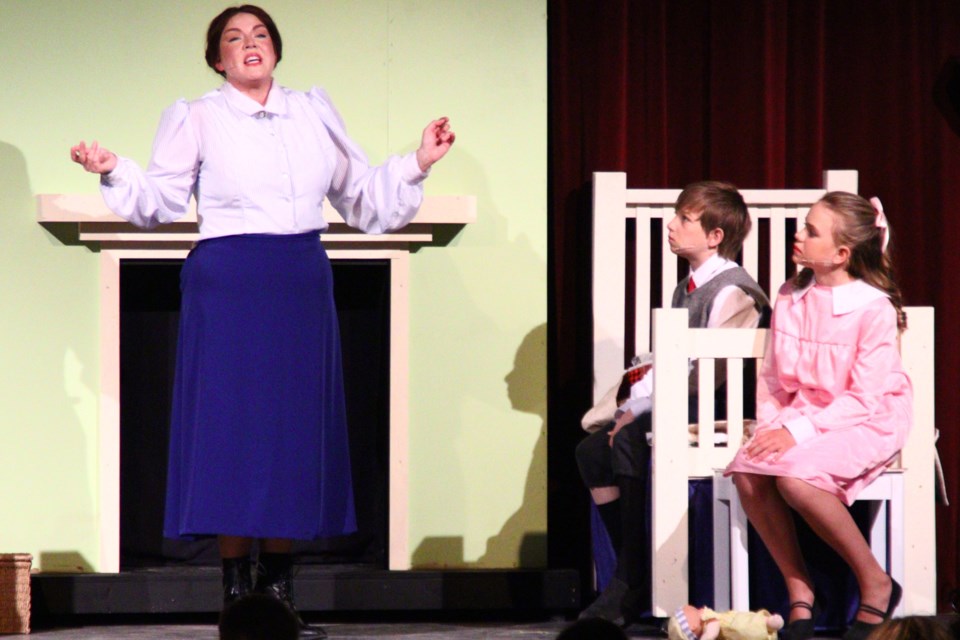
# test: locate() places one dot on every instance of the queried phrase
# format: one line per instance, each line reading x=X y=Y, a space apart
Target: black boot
x=608 y=605
x=237 y=581
x=633 y=562
x=612 y=521
x=274 y=578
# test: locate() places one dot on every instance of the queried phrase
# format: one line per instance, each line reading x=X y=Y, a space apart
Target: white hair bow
x=881 y=223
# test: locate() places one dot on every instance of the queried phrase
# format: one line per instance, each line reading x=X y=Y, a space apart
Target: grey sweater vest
x=700 y=301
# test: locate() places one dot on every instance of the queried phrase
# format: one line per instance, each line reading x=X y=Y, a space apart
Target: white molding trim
x=94 y=223
x=109 y=421
x=108 y=475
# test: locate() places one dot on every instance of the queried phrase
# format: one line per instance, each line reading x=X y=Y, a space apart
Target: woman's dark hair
x=218 y=24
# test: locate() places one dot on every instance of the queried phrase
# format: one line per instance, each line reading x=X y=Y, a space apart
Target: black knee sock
x=633 y=561
x=610 y=514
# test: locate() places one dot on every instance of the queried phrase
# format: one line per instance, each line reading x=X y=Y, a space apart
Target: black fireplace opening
x=149 y=316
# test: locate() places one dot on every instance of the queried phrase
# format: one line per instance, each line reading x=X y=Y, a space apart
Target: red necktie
x=691 y=285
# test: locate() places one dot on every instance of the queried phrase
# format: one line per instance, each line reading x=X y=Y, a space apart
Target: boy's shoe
x=608 y=603
x=635 y=605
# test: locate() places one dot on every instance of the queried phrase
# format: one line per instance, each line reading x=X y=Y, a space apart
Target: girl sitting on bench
x=834 y=405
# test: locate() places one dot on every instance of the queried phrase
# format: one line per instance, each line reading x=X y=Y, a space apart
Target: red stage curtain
x=763 y=94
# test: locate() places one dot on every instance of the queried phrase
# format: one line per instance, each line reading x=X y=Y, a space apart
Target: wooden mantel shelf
x=85 y=219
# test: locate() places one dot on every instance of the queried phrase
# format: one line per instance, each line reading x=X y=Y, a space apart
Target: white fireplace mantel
x=88 y=220
x=84 y=219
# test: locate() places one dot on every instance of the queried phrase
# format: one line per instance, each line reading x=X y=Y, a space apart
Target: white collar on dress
x=846 y=297
x=276 y=100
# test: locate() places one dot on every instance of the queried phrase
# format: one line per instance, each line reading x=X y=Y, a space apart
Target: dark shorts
x=600 y=463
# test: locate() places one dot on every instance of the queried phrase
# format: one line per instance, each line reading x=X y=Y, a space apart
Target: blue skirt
x=258 y=435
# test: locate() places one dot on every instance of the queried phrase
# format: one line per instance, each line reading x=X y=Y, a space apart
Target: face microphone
x=822 y=263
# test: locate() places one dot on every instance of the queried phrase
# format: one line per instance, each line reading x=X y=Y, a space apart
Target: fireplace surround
x=85 y=220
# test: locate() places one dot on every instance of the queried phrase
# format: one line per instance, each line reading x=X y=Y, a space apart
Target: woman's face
x=246 y=51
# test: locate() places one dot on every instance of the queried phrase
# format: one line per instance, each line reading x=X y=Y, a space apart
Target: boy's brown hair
x=720 y=206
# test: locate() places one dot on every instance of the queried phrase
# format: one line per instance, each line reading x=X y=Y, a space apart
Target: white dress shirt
x=262 y=169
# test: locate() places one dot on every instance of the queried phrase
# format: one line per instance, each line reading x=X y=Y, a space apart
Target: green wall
x=85 y=69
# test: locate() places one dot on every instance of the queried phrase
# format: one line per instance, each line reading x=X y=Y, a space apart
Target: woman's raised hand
x=94 y=158
x=436 y=141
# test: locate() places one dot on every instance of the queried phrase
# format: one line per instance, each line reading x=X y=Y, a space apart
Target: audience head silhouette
x=258 y=617
x=911 y=628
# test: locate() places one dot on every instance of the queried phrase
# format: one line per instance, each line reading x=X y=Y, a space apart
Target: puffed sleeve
x=372 y=199
x=162 y=193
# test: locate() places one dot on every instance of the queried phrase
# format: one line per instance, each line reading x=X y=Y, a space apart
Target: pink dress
x=832 y=375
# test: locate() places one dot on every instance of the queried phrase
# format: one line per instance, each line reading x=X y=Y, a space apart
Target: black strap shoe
x=860 y=630
x=802 y=629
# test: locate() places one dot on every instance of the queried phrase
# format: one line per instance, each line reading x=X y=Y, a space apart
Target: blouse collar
x=276 y=101
x=846 y=297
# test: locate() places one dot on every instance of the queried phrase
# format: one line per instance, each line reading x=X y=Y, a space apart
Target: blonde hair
x=857 y=229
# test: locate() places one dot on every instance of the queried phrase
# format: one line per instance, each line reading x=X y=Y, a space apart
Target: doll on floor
x=689 y=623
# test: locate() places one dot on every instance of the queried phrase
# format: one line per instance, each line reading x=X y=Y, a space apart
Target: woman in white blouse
x=258 y=444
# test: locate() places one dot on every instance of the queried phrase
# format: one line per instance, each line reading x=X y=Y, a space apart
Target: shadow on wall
x=525 y=389
x=47 y=385
x=446 y=552
x=65 y=561
x=493 y=278
x=439 y=552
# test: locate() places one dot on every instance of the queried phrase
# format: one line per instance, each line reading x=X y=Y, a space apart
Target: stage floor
x=353 y=631
x=359 y=603
x=421 y=631
x=330 y=589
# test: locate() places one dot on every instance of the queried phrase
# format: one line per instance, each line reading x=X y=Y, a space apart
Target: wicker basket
x=15 y=592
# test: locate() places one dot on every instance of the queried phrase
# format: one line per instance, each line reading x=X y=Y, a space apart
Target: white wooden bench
x=620 y=213
x=672 y=451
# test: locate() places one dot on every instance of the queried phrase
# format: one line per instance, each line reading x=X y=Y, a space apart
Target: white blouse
x=262 y=169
